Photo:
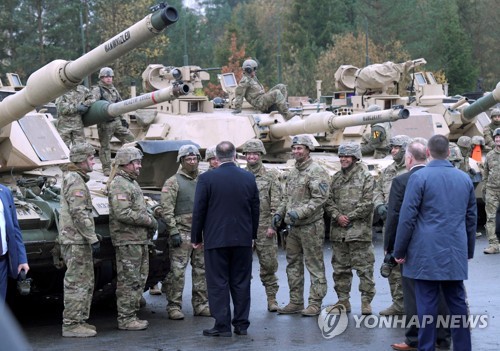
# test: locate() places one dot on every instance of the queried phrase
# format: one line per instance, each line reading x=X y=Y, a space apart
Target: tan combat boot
x=89 y=326
x=311 y=310
x=272 y=305
x=339 y=306
x=291 y=308
x=134 y=325
x=175 y=314
x=392 y=310
x=77 y=331
x=154 y=290
x=366 y=308
x=204 y=312
x=491 y=249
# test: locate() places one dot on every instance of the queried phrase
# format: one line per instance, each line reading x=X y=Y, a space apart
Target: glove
x=276 y=221
x=293 y=215
x=82 y=109
x=235 y=112
x=176 y=240
x=382 y=211
x=96 y=248
x=124 y=123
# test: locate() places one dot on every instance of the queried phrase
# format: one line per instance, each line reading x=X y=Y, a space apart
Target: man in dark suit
x=12 y=251
x=435 y=238
x=225 y=222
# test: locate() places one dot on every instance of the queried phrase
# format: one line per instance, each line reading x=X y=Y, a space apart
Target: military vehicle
x=31 y=151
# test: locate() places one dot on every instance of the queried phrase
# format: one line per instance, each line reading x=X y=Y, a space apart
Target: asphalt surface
x=41 y=324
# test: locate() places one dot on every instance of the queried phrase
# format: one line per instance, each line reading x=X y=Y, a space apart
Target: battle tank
x=31 y=152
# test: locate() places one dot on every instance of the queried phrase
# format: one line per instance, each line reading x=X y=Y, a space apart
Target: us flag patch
x=78 y=193
x=121 y=197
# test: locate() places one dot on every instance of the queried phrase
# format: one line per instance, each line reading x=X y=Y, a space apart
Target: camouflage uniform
x=377 y=142
x=306 y=192
x=129 y=224
x=489 y=129
x=351 y=194
x=177 y=199
x=77 y=233
x=269 y=187
x=69 y=121
x=491 y=183
x=110 y=128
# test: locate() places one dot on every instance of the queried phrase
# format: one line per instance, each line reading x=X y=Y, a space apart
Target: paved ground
x=42 y=325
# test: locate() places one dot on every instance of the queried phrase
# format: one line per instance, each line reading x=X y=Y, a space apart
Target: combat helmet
x=350 y=149
x=80 y=152
x=303 y=140
x=400 y=140
x=127 y=154
x=495 y=112
x=106 y=72
x=378 y=133
x=496 y=132
x=254 y=145
x=249 y=66
x=455 y=153
x=464 y=141
x=210 y=153
x=478 y=140
x=186 y=150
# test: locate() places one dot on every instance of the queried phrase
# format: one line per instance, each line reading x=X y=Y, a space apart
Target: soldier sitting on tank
x=117 y=126
x=377 y=142
x=70 y=108
x=251 y=89
x=490 y=128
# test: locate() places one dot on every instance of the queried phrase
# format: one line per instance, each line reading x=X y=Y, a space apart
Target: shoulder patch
x=121 y=197
x=78 y=193
x=164 y=189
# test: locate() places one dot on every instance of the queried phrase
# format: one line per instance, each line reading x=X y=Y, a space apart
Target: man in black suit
x=225 y=222
x=415 y=159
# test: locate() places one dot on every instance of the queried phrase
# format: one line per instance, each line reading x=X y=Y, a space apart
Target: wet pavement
x=42 y=325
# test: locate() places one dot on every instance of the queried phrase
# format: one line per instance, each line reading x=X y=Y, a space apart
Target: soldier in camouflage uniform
x=266 y=244
x=251 y=89
x=491 y=192
x=117 y=126
x=381 y=192
x=130 y=225
x=177 y=200
x=301 y=208
x=350 y=205
x=70 y=108
x=377 y=142
x=211 y=158
x=455 y=156
x=490 y=128
x=78 y=242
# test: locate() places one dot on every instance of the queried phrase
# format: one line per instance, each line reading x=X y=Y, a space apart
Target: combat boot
x=89 y=326
x=311 y=310
x=291 y=308
x=491 y=249
x=339 y=306
x=136 y=324
x=366 y=308
x=272 y=305
x=392 y=310
x=175 y=314
x=77 y=331
x=154 y=290
x=204 y=312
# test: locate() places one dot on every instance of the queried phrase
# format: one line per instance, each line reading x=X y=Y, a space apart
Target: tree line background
x=295 y=41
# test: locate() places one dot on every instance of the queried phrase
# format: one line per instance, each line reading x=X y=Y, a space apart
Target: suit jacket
x=15 y=244
x=226 y=208
x=437 y=223
x=396 y=196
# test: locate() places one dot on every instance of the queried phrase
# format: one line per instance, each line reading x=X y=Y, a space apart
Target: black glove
x=96 y=248
x=176 y=240
x=124 y=123
x=294 y=217
x=276 y=221
x=82 y=109
x=236 y=111
x=382 y=211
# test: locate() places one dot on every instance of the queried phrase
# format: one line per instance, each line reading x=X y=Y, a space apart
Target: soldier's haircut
x=438 y=146
x=225 y=151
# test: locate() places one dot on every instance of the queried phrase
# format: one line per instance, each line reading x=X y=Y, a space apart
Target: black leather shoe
x=215 y=332
x=239 y=331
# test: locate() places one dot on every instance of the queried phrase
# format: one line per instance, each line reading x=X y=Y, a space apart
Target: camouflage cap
x=186 y=150
x=303 y=140
x=478 y=140
x=495 y=112
x=210 y=153
x=464 y=141
x=400 y=140
x=350 y=149
x=127 y=154
x=254 y=145
x=496 y=132
x=80 y=152
x=455 y=153
x=106 y=72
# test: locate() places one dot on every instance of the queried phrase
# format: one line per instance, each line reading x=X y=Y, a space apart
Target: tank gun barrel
x=102 y=110
x=482 y=104
x=60 y=76
x=327 y=121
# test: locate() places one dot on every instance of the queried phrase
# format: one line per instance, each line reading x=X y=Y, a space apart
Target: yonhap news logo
x=333 y=321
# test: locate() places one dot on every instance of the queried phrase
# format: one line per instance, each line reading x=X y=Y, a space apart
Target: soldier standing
x=117 y=126
x=253 y=92
x=78 y=242
x=397 y=145
x=301 y=208
x=489 y=138
x=350 y=205
x=129 y=224
x=70 y=108
x=266 y=244
x=491 y=192
x=177 y=200
x=211 y=158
